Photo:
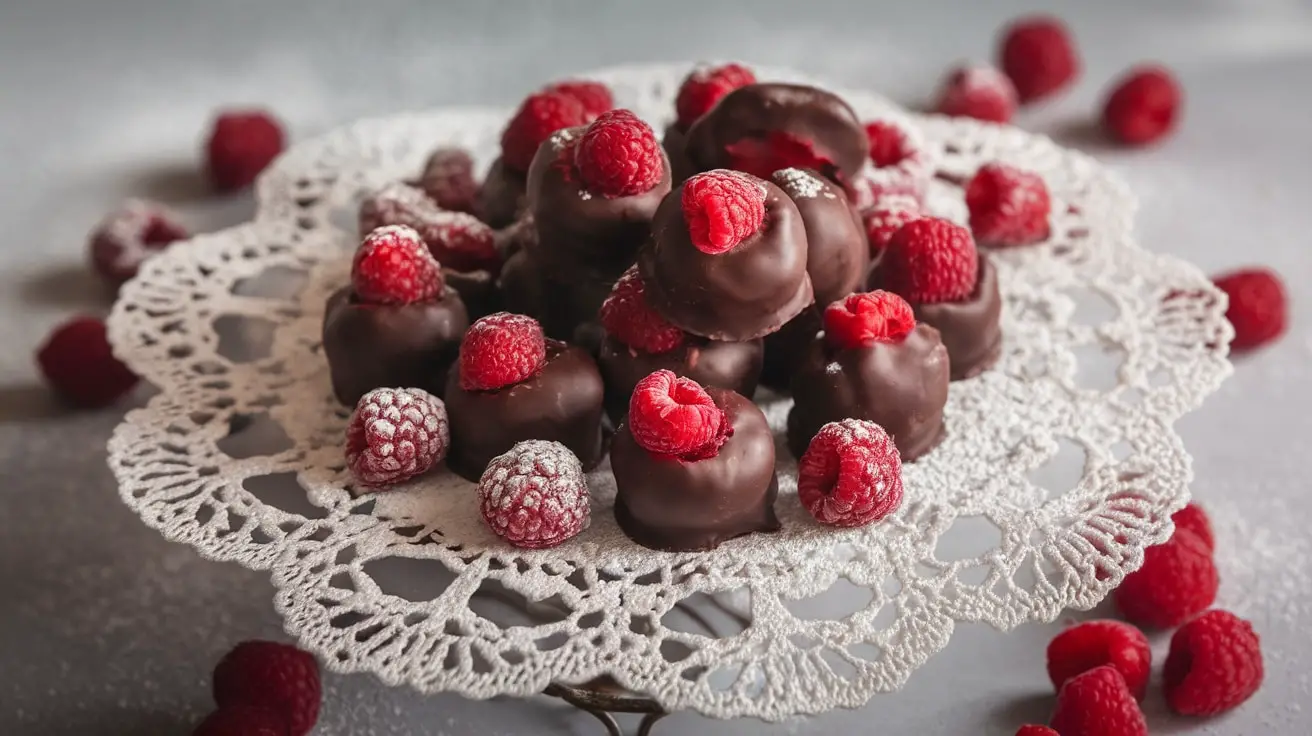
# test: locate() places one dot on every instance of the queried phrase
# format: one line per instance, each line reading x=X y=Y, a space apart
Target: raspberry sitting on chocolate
x=979 y=92
x=777 y=149
x=1098 y=703
x=618 y=155
x=669 y=415
x=535 y=496
x=888 y=216
x=539 y=116
x=628 y=317
x=128 y=236
x=396 y=434
x=243 y=720
x=241 y=145
x=722 y=209
x=1143 y=107
x=1096 y=643
x=861 y=320
x=850 y=474
x=271 y=675
x=394 y=266
x=1008 y=206
x=458 y=240
x=79 y=364
x=595 y=97
x=448 y=179
x=499 y=350
x=1258 y=309
x=931 y=260
x=1214 y=665
x=1177 y=581
x=704 y=86
x=1037 y=53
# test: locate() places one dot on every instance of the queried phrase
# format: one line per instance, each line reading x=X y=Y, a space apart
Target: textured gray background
x=107 y=629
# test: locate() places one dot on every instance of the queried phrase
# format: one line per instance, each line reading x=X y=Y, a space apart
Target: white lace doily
x=1059 y=467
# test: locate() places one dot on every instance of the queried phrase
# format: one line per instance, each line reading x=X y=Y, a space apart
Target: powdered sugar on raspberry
x=535 y=495
x=457 y=240
x=851 y=474
x=129 y=235
x=395 y=434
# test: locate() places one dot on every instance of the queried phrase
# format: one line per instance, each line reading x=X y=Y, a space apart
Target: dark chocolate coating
x=502 y=197
x=477 y=289
x=372 y=346
x=562 y=307
x=562 y=403
x=675 y=139
x=971 y=329
x=729 y=365
x=668 y=504
x=756 y=110
x=785 y=349
x=902 y=387
x=742 y=294
x=580 y=232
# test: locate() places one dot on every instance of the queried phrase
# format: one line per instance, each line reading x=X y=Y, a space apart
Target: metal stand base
x=602 y=699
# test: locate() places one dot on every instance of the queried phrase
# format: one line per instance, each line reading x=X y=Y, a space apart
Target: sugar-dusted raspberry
x=1098 y=703
x=1214 y=665
x=723 y=208
x=618 y=155
x=1143 y=107
x=886 y=217
x=850 y=474
x=1178 y=580
x=79 y=364
x=499 y=350
x=458 y=240
x=394 y=266
x=1258 y=308
x=861 y=320
x=397 y=203
x=1194 y=520
x=539 y=116
x=931 y=261
x=671 y=415
x=1096 y=643
x=979 y=92
x=704 y=87
x=241 y=144
x=448 y=179
x=243 y=720
x=1033 y=730
x=271 y=675
x=1037 y=53
x=396 y=434
x=628 y=317
x=778 y=149
x=129 y=235
x=535 y=495
x=595 y=97
x=889 y=144
x=1008 y=206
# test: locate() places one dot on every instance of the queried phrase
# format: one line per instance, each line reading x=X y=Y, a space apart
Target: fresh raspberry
x=448 y=178
x=930 y=261
x=704 y=87
x=1038 y=55
x=243 y=720
x=1008 y=206
x=850 y=474
x=128 y=236
x=80 y=366
x=499 y=350
x=861 y=320
x=979 y=92
x=628 y=317
x=270 y=675
x=394 y=266
x=458 y=240
x=535 y=496
x=1258 y=310
x=1098 y=703
x=723 y=208
x=396 y=434
x=241 y=145
x=1177 y=581
x=761 y=157
x=1214 y=664
x=671 y=415
x=619 y=156
x=1096 y=643
x=889 y=144
x=1032 y=730
x=1143 y=107
x=538 y=117
x=886 y=217
x=1194 y=520
x=595 y=97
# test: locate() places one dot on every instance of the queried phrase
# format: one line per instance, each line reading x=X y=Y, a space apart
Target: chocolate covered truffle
x=693 y=467
x=503 y=196
x=565 y=307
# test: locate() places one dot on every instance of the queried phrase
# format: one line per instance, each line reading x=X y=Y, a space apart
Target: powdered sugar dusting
x=535 y=495
x=800 y=184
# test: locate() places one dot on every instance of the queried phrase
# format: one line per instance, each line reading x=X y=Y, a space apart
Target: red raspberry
x=723 y=208
x=393 y=266
x=499 y=350
x=243 y=720
x=930 y=261
x=887 y=217
x=861 y=320
x=80 y=366
x=1032 y=730
x=1008 y=206
x=1143 y=107
x=979 y=92
x=1258 y=310
x=889 y=145
x=270 y=675
x=595 y=97
x=1214 y=664
x=1194 y=520
x=1039 y=56
x=241 y=145
x=537 y=118
x=1096 y=643
x=619 y=156
x=850 y=474
x=628 y=317
x=761 y=157
x=458 y=240
x=128 y=236
x=704 y=87
x=1098 y=703
x=448 y=178
x=396 y=434
x=535 y=496
x=1177 y=581
x=671 y=415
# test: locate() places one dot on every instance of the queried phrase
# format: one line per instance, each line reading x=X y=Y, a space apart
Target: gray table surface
x=105 y=628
